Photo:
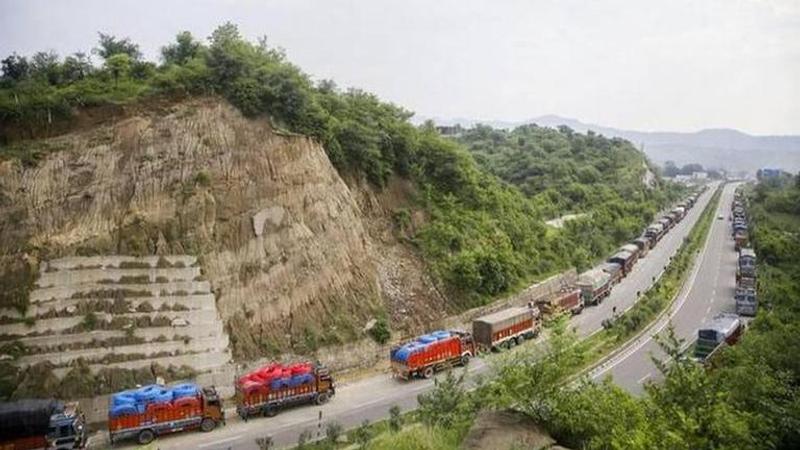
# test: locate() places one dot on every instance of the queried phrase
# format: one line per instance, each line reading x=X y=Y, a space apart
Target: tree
x=45 y=66
x=670 y=169
x=118 y=65
x=184 y=49
x=265 y=443
x=448 y=405
x=395 y=419
x=76 y=67
x=110 y=45
x=332 y=432
x=15 y=68
x=362 y=435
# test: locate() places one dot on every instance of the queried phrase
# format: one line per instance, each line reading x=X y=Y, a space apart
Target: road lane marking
x=221 y=441
x=708 y=310
x=644 y=378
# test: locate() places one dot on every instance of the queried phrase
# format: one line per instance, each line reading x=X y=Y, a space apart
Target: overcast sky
x=638 y=64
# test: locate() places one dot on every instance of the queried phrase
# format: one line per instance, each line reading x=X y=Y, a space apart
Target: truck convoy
x=506 y=328
x=41 y=424
x=432 y=352
x=274 y=387
x=724 y=329
x=150 y=411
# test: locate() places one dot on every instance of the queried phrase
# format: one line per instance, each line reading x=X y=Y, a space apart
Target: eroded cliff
x=278 y=233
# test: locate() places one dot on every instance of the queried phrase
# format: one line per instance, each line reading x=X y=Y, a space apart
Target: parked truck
x=506 y=328
x=41 y=424
x=613 y=269
x=432 y=352
x=625 y=259
x=666 y=222
x=643 y=244
x=567 y=300
x=739 y=239
x=274 y=387
x=154 y=410
x=595 y=285
x=724 y=329
x=655 y=232
x=746 y=301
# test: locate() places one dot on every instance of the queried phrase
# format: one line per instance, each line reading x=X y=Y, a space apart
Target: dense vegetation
x=482 y=237
x=564 y=172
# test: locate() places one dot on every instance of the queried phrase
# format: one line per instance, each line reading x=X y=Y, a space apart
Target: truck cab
x=212 y=407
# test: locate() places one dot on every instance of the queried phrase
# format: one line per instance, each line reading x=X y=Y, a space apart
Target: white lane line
x=221 y=441
x=644 y=378
x=708 y=310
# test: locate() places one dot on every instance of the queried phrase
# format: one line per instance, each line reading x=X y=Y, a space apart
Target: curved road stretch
x=709 y=291
x=371 y=398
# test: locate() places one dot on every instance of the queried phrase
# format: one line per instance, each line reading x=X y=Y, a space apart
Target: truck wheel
x=512 y=343
x=208 y=424
x=322 y=398
x=270 y=411
x=520 y=339
x=145 y=437
x=465 y=359
x=428 y=372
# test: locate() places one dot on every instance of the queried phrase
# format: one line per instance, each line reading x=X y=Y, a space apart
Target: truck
x=643 y=244
x=724 y=329
x=595 y=285
x=746 y=266
x=41 y=424
x=625 y=259
x=427 y=354
x=506 y=328
x=613 y=269
x=150 y=411
x=666 y=221
x=566 y=300
x=746 y=301
x=655 y=231
x=274 y=387
x=739 y=239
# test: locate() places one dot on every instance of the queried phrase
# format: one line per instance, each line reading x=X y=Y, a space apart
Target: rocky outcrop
x=278 y=233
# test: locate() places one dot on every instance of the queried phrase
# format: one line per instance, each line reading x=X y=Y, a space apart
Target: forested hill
x=481 y=237
x=564 y=172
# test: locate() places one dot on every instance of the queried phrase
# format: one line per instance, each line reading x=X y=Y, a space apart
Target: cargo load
x=643 y=244
x=595 y=285
x=40 y=423
x=613 y=269
x=269 y=389
x=666 y=222
x=655 y=232
x=432 y=352
x=153 y=410
x=506 y=328
x=739 y=239
x=566 y=301
x=625 y=259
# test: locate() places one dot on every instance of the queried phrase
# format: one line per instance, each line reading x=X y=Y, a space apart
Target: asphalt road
x=371 y=398
x=708 y=292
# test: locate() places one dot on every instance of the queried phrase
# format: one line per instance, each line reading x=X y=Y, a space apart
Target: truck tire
x=465 y=359
x=520 y=339
x=145 y=437
x=427 y=372
x=270 y=411
x=208 y=424
x=322 y=398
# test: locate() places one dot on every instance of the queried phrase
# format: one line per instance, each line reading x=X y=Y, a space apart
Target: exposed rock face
x=280 y=236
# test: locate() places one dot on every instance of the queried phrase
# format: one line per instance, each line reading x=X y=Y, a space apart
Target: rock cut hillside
x=279 y=234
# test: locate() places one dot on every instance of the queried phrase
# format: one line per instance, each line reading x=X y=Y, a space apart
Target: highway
x=371 y=398
x=708 y=292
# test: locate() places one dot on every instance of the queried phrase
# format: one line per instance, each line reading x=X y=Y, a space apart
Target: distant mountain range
x=713 y=148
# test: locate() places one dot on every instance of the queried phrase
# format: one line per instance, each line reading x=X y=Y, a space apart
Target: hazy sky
x=665 y=65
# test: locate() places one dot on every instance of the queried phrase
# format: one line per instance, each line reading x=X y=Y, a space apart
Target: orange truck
x=568 y=300
x=274 y=387
x=506 y=328
x=432 y=352
x=145 y=413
